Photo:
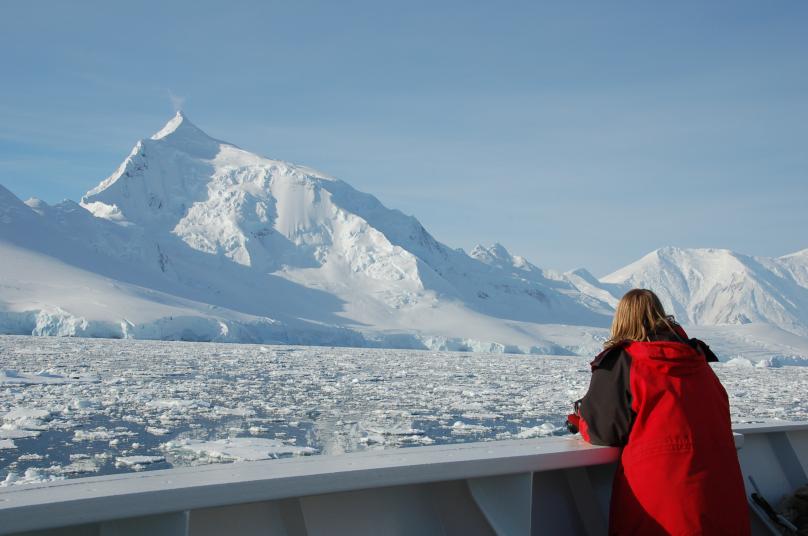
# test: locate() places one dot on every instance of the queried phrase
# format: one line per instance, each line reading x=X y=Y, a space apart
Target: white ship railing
x=557 y=485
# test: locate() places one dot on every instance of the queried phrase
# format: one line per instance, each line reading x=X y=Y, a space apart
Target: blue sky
x=582 y=135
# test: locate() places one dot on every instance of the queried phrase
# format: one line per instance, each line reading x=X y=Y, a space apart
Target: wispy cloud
x=176 y=101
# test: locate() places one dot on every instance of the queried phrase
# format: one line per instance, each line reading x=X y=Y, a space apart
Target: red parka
x=678 y=471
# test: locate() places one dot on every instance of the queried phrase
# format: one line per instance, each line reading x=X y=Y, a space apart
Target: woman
x=653 y=393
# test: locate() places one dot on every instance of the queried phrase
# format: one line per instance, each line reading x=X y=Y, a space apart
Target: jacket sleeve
x=605 y=411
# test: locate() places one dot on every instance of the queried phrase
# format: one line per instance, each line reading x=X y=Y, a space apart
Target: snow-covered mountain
x=195 y=238
x=250 y=243
x=718 y=286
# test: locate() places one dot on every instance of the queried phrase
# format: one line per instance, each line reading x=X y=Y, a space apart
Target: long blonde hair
x=639 y=314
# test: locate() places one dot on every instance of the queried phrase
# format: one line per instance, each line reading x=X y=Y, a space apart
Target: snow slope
x=718 y=286
x=195 y=238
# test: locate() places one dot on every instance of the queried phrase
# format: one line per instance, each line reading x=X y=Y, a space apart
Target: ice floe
x=10 y=376
x=32 y=475
x=135 y=461
x=232 y=449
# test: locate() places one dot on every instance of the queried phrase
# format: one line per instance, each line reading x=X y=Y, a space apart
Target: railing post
x=174 y=524
x=506 y=501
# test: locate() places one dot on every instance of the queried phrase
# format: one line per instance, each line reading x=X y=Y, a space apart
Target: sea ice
x=233 y=449
x=543 y=430
x=193 y=403
x=10 y=376
x=137 y=460
x=32 y=475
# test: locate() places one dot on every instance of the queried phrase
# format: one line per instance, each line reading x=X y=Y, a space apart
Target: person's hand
x=573 y=423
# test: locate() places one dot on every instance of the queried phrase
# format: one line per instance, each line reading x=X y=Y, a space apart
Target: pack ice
x=144 y=405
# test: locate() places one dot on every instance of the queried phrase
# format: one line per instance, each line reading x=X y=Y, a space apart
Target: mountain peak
x=500 y=251
x=665 y=251
x=495 y=251
x=498 y=255
x=182 y=135
x=179 y=124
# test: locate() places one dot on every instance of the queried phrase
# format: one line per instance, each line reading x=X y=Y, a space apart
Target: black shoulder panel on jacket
x=610 y=353
x=606 y=407
x=702 y=347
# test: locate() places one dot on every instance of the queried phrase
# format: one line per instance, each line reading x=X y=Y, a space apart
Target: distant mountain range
x=194 y=238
